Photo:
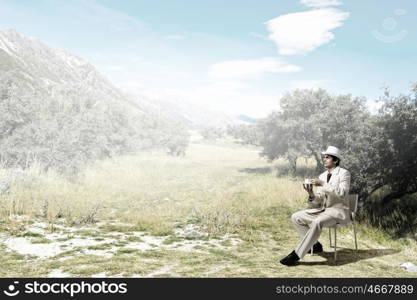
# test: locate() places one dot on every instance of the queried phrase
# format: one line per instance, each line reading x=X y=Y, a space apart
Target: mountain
x=246 y=119
x=55 y=72
x=179 y=110
x=46 y=71
x=57 y=110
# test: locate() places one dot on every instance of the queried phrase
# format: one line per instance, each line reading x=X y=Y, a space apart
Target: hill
x=59 y=111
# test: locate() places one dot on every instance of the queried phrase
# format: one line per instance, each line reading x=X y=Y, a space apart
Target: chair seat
x=338 y=225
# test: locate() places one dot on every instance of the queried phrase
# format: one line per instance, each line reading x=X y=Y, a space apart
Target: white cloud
x=244 y=68
x=320 y=3
x=302 y=32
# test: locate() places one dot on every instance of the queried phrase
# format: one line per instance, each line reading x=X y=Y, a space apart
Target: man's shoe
x=290 y=260
x=317 y=248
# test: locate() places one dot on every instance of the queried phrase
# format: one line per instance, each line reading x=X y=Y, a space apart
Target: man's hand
x=318 y=182
x=308 y=188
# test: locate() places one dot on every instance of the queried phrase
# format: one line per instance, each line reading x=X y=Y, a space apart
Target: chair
x=353 y=205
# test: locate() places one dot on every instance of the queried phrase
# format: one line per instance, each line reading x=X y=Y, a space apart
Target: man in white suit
x=333 y=207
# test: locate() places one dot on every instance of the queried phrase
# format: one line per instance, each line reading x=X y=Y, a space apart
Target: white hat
x=331 y=150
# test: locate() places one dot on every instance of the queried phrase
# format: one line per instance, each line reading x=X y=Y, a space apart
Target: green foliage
x=398 y=218
x=70 y=127
x=310 y=121
x=176 y=139
x=247 y=134
x=397 y=159
x=213 y=133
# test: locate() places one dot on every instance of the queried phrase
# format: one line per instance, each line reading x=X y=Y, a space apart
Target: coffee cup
x=308 y=181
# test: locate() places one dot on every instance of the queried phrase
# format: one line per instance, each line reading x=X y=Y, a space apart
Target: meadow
x=219 y=211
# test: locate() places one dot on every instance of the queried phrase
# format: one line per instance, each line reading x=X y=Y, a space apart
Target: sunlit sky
x=238 y=56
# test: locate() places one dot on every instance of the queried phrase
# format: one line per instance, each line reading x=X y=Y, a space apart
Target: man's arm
x=316 y=198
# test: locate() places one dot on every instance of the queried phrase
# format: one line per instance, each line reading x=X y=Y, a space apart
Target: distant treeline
x=65 y=130
x=247 y=134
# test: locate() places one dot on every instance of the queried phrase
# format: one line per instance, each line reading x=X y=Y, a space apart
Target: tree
x=70 y=126
x=278 y=139
x=248 y=134
x=176 y=140
x=397 y=145
x=310 y=121
x=212 y=133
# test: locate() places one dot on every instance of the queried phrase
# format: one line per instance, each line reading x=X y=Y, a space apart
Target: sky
x=236 y=56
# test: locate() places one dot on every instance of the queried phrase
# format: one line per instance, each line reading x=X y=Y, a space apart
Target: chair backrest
x=353 y=202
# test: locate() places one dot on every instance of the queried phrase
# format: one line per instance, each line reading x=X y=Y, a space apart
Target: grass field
x=220 y=211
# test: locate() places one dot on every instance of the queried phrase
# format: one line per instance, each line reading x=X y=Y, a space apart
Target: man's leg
x=301 y=221
x=321 y=220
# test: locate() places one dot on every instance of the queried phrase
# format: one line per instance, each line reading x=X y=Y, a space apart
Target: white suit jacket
x=332 y=196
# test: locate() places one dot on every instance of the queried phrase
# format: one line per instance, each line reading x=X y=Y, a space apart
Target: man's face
x=328 y=162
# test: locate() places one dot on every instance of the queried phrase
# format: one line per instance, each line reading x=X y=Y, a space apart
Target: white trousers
x=309 y=227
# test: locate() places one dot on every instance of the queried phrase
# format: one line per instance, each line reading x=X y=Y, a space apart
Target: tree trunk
x=395 y=195
x=293 y=165
x=319 y=165
x=374 y=188
x=317 y=158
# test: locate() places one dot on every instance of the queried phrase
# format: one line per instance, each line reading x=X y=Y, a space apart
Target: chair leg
x=335 y=244
x=354 y=233
x=330 y=237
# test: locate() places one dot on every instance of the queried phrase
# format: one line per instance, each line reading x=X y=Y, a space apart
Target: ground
x=219 y=211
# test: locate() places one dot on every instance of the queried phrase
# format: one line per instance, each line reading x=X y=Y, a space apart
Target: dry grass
x=223 y=188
